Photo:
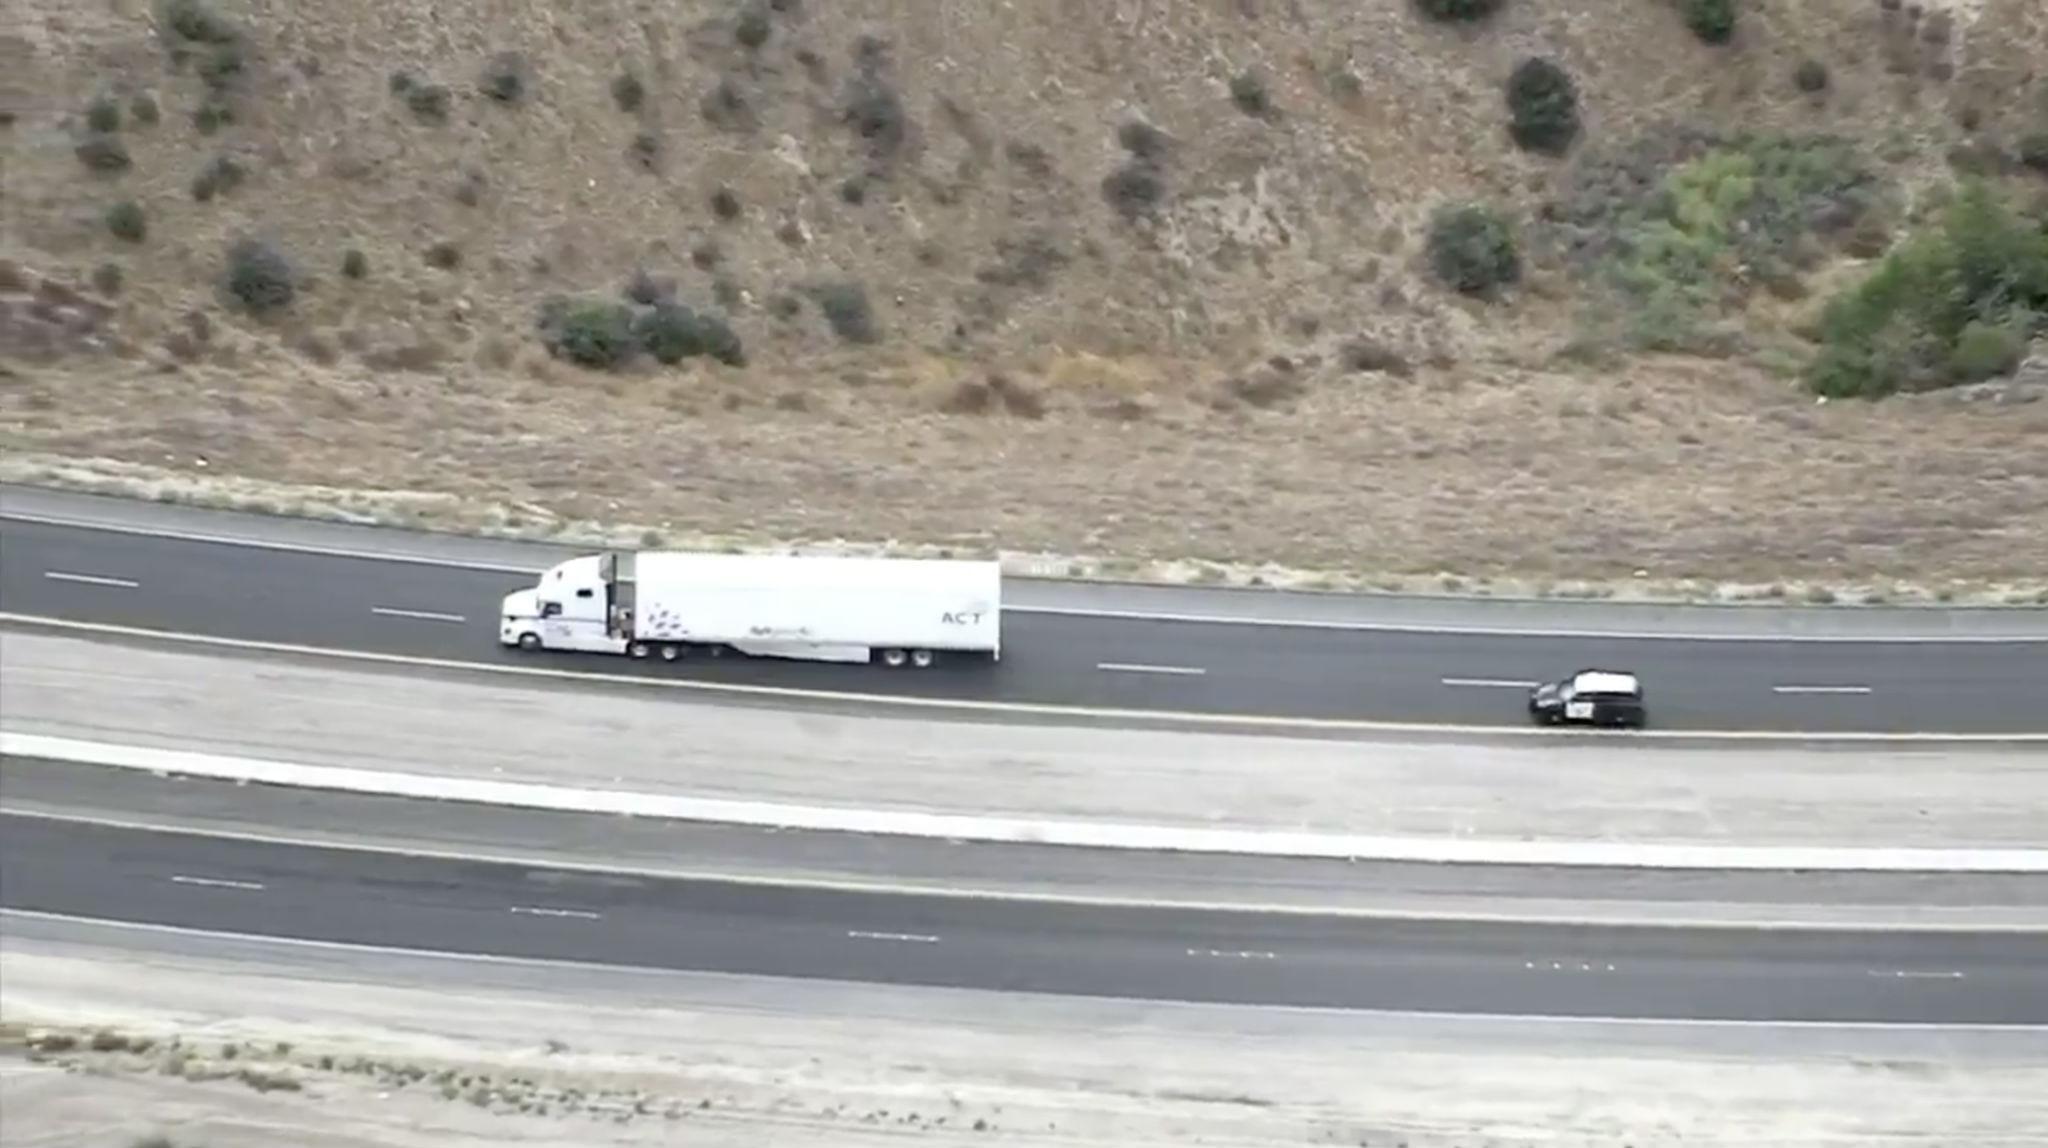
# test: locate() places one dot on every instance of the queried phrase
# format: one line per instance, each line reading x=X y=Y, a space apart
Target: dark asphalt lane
x=413 y=903
x=66 y=789
x=239 y=592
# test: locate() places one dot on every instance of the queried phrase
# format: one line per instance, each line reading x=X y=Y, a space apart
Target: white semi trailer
x=671 y=605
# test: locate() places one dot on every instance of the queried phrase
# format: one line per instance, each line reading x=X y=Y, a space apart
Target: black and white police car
x=1590 y=697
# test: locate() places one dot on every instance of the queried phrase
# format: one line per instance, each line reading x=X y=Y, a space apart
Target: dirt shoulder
x=226 y=1044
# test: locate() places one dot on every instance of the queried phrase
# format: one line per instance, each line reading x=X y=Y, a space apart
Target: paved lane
x=508 y=910
x=441 y=612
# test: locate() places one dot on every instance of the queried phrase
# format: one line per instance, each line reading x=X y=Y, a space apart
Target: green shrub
x=1987 y=350
x=846 y=307
x=103 y=115
x=427 y=101
x=628 y=92
x=212 y=115
x=1543 y=107
x=725 y=204
x=752 y=29
x=1811 y=76
x=221 y=174
x=126 y=221
x=103 y=152
x=354 y=264
x=107 y=278
x=504 y=78
x=595 y=333
x=1454 y=10
x=2033 y=151
x=259 y=277
x=443 y=255
x=1713 y=21
x=1248 y=92
x=1951 y=304
x=672 y=332
x=223 y=65
x=195 y=21
x=1135 y=189
x=1472 y=249
x=142 y=108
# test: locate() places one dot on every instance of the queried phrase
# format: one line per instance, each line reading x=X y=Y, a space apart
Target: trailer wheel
x=894 y=659
x=529 y=641
x=921 y=658
x=671 y=652
x=637 y=649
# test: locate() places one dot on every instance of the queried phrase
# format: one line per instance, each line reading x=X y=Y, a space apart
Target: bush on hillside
x=1811 y=76
x=595 y=333
x=102 y=152
x=752 y=29
x=354 y=264
x=628 y=92
x=1543 y=107
x=1449 y=11
x=504 y=78
x=1472 y=249
x=103 y=115
x=143 y=109
x=1248 y=91
x=221 y=174
x=1713 y=21
x=846 y=307
x=126 y=221
x=2033 y=151
x=672 y=332
x=259 y=277
x=1950 y=305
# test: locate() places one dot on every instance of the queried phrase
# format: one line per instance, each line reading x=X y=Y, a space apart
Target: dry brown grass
x=1139 y=416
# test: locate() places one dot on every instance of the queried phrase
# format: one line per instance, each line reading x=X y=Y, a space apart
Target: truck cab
x=571 y=607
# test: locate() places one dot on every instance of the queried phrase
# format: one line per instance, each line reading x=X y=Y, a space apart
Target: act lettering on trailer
x=972 y=619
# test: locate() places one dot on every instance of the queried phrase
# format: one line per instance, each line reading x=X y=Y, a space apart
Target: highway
x=452 y=905
x=439 y=611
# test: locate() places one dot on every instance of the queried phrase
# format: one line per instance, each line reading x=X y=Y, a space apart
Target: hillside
x=1130 y=279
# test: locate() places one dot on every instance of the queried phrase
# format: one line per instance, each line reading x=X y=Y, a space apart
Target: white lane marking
x=1917 y=974
x=90 y=580
x=1566 y=966
x=421 y=615
x=1491 y=683
x=1241 y=955
x=649 y=973
x=1820 y=689
x=1141 y=668
x=216 y=883
x=1082 y=612
x=618 y=679
x=577 y=914
x=908 y=938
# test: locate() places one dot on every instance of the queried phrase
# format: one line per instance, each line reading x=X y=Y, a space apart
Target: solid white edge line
x=1142 y=668
x=92 y=580
x=1030 y=831
x=416 y=615
x=1295 y=1010
x=1490 y=683
x=1074 y=612
x=956 y=892
x=1208 y=719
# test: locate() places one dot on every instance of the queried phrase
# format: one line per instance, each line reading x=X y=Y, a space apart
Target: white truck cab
x=568 y=609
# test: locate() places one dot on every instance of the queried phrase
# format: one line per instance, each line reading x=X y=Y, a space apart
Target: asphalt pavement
x=414 y=903
x=437 y=611
x=602 y=842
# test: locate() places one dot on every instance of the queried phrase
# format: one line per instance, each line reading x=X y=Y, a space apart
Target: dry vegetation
x=1137 y=279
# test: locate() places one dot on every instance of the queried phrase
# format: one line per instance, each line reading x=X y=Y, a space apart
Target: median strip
x=1025 y=831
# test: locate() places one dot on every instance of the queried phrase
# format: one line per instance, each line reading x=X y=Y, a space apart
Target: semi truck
x=675 y=604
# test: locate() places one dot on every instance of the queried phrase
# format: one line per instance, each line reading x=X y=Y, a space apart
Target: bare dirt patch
x=894 y=202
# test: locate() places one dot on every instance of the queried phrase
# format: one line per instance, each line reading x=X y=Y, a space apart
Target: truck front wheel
x=529 y=642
